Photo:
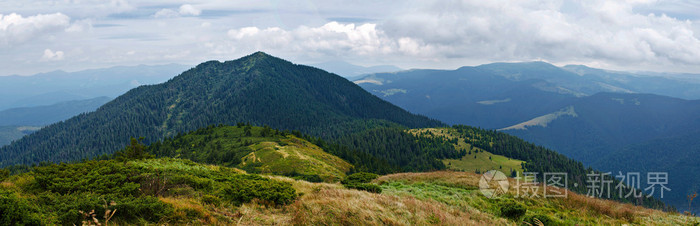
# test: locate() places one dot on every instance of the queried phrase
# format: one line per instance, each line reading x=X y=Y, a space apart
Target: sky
x=639 y=35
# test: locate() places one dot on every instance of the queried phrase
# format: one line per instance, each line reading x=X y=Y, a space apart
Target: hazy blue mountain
x=58 y=86
x=349 y=70
x=18 y=122
x=684 y=86
x=626 y=132
x=469 y=95
x=10 y=133
x=44 y=115
x=583 y=81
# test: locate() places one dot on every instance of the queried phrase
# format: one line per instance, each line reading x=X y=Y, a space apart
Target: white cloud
x=166 y=13
x=330 y=39
x=184 y=10
x=52 y=56
x=624 y=34
x=189 y=10
x=16 y=29
x=524 y=30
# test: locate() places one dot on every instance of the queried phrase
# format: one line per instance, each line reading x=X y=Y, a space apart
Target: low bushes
x=360 y=181
x=512 y=210
x=68 y=194
x=245 y=188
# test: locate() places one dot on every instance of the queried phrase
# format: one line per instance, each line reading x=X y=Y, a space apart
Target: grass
x=255 y=149
x=458 y=189
x=293 y=155
x=432 y=198
x=476 y=160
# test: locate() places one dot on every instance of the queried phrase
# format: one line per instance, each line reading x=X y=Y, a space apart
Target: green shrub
x=512 y=210
x=148 y=208
x=245 y=188
x=101 y=177
x=359 y=178
x=210 y=199
x=4 y=174
x=310 y=178
x=365 y=187
x=17 y=211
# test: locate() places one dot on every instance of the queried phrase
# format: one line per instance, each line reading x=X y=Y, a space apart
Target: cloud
x=555 y=30
x=499 y=30
x=189 y=10
x=52 y=56
x=166 y=13
x=332 y=38
x=16 y=29
x=184 y=10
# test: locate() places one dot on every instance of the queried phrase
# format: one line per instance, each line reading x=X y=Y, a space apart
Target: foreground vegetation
x=177 y=191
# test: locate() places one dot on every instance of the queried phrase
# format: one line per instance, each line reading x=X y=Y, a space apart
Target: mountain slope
x=258 y=88
x=18 y=122
x=10 y=133
x=44 y=115
x=629 y=133
x=470 y=96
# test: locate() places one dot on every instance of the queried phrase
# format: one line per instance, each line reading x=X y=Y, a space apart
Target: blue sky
x=39 y=36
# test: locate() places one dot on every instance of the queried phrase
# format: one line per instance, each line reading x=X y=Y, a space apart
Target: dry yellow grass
x=456 y=178
x=188 y=206
x=351 y=207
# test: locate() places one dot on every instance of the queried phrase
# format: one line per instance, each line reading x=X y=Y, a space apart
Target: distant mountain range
x=615 y=121
x=349 y=70
x=18 y=122
x=59 y=86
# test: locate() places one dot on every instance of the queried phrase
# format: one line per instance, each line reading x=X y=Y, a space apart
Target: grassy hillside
x=177 y=191
x=459 y=190
x=255 y=149
x=476 y=159
x=171 y=191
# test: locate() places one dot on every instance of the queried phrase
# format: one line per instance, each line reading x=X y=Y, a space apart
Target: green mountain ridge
x=258 y=88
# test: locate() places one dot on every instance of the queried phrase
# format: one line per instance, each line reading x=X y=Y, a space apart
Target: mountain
x=584 y=81
x=349 y=70
x=468 y=95
x=629 y=133
x=685 y=86
x=595 y=116
x=10 y=133
x=59 y=86
x=258 y=88
x=18 y=122
x=44 y=115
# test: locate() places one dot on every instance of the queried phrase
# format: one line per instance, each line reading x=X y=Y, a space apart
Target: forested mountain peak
x=259 y=89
